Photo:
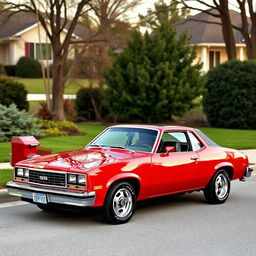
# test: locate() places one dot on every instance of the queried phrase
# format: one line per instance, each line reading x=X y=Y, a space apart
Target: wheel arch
x=134 y=180
x=227 y=167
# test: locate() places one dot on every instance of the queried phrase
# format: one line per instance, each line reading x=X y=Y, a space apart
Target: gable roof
x=12 y=25
x=201 y=29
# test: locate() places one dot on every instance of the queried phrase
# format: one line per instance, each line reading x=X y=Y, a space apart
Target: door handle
x=194 y=158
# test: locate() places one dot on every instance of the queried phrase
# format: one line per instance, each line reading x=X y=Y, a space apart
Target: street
x=177 y=225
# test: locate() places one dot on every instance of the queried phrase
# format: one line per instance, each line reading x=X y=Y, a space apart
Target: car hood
x=83 y=159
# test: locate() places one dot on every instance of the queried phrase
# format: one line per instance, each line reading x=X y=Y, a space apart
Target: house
x=21 y=35
x=209 y=38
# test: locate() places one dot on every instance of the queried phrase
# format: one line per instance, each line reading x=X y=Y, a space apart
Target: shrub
x=28 y=67
x=2 y=69
x=88 y=102
x=10 y=70
x=14 y=122
x=230 y=98
x=69 y=110
x=54 y=132
x=61 y=128
x=13 y=92
x=44 y=112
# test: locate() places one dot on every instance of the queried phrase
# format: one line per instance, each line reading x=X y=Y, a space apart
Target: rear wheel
x=120 y=203
x=217 y=191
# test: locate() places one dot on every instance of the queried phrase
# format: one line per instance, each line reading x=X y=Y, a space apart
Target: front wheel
x=217 y=190
x=120 y=203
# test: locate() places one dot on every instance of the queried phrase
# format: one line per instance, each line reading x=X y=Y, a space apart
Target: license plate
x=39 y=198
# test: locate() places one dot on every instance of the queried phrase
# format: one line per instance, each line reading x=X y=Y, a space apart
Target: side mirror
x=169 y=149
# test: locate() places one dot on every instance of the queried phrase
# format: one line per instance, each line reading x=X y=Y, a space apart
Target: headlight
x=81 y=179
x=26 y=173
x=72 y=178
x=20 y=172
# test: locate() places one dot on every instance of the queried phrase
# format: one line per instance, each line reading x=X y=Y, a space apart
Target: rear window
x=207 y=139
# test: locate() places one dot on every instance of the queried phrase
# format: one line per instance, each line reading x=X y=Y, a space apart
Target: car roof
x=154 y=127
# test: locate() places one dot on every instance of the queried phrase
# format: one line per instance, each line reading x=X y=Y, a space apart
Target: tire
x=217 y=190
x=120 y=203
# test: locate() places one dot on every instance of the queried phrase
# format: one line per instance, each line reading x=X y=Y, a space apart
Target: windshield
x=136 y=139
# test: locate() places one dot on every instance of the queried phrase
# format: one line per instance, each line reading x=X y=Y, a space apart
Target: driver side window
x=178 y=140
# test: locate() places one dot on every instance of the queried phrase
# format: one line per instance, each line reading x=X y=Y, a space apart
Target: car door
x=174 y=171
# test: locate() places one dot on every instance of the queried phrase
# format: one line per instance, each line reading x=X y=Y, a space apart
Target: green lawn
x=239 y=139
x=5 y=176
x=59 y=143
x=232 y=138
x=36 y=85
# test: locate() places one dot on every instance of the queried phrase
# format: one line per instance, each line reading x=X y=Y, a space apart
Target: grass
x=232 y=138
x=36 y=85
x=58 y=144
x=5 y=176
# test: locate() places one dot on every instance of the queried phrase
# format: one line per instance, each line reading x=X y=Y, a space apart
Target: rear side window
x=195 y=143
x=207 y=139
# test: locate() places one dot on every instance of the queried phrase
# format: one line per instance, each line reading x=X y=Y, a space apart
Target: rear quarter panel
x=215 y=158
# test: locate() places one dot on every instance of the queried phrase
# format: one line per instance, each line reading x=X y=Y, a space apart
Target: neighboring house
x=209 y=38
x=19 y=36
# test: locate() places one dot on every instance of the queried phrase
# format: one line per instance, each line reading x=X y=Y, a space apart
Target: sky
x=146 y=4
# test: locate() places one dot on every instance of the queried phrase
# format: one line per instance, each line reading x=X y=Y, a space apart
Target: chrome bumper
x=248 y=173
x=53 y=195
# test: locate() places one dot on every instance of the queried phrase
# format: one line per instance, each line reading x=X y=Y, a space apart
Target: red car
x=128 y=163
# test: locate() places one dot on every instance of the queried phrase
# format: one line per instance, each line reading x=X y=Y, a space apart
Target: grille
x=47 y=178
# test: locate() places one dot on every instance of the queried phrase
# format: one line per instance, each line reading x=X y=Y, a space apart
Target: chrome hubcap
x=122 y=202
x=221 y=186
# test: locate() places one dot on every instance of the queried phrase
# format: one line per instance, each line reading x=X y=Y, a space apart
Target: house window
x=33 y=50
x=214 y=59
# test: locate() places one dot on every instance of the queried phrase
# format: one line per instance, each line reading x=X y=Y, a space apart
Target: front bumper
x=57 y=196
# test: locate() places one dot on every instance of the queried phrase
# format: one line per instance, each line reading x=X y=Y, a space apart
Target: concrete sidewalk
x=33 y=97
x=5 y=166
x=251 y=153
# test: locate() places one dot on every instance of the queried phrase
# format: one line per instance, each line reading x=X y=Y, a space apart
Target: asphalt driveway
x=179 y=225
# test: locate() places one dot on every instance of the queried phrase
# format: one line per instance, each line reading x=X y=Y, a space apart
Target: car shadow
x=91 y=216
x=173 y=200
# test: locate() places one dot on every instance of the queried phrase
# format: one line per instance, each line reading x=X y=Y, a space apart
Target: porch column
x=241 y=53
x=204 y=59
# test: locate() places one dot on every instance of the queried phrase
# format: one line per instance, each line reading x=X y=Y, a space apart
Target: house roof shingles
x=10 y=25
x=202 y=30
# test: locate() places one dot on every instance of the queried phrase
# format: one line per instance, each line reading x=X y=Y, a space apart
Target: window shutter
x=27 y=49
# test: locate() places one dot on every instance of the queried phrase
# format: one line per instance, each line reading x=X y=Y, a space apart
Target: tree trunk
x=227 y=29
x=58 y=89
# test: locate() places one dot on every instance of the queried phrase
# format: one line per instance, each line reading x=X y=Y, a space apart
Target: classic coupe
x=128 y=163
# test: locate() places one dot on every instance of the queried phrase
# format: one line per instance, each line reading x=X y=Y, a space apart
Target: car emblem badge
x=43 y=177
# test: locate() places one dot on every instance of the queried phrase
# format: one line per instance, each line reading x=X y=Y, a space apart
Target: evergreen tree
x=153 y=79
x=163 y=12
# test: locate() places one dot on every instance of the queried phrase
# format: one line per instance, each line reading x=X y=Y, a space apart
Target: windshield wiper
x=117 y=147
x=95 y=145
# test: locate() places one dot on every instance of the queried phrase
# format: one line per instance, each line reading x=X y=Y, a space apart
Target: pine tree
x=154 y=78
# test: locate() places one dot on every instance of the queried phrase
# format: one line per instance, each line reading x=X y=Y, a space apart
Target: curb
x=5 y=198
